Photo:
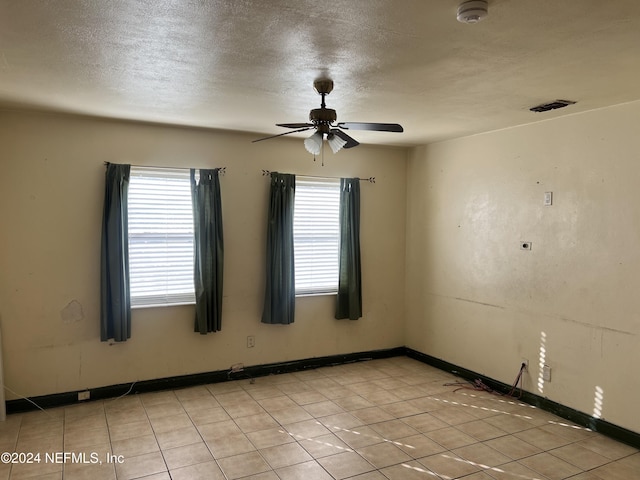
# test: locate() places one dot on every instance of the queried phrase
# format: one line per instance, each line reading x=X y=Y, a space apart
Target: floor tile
x=323 y=408
x=424 y=422
x=132 y=447
x=218 y=430
x=83 y=438
x=140 y=466
x=409 y=471
x=353 y=402
x=579 y=456
x=308 y=471
x=401 y=409
x=285 y=455
x=243 y=465
x=171 y=422
x=230 y=445
x=186 y=455
x=383 y=455
x=340 y=421
x=418 y=446
x=550 y=466
x=449 y=465
x=514 y=471
x=542 y=439
x=513 y=447
x=270 y=437
x=482 y=454
x=359 y=437
x=308 y=397
x=450 y=438
x=343 y=465
x=132 y=414
x=372 y=415
x=158 y=410
x=306 y=429
x=453 y=415
x=192 y=393
x=385 y=419
x=392 y=429
x=252 y=423
x=616 y=471
x=481 y=430
x=200 y=403
x=201 y=471
x=606 y=447
x=324 y=446
x=178 y=437
x=291 y=415
x=130 y=430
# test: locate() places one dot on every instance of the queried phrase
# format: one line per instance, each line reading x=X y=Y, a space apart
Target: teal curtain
x=349 y=299
x=280 y=292
x=115 y=301
x=208 y=250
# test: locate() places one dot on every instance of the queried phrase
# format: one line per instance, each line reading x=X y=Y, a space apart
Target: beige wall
x=51 y=193
x=476 y=300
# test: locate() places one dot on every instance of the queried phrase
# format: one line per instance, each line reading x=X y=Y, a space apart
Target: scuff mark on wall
x=479 y=303
x=606 y=329
x=72 y=313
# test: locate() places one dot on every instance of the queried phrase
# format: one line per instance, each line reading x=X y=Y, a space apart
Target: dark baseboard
x=68 y=398
x=183 y=381
x=579 y=418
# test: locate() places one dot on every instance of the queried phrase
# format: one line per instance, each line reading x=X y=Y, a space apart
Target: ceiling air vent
x=545 y=107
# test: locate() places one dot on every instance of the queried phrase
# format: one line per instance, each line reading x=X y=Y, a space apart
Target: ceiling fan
x=323 y=121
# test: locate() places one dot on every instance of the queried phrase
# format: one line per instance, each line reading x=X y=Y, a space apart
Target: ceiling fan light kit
x=335 y=142
x=323 y=120
x=313 y=144
x=473 y=11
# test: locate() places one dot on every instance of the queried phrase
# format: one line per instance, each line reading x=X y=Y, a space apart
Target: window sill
x=159 y=305
x=318 y=294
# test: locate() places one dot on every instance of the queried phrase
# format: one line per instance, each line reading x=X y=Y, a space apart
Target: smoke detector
x=472 y=11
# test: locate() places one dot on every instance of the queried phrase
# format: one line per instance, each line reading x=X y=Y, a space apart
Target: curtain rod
x=222 y=170
x=370 y=179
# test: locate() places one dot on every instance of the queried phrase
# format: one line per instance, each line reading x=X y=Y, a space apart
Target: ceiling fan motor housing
x=322 y=118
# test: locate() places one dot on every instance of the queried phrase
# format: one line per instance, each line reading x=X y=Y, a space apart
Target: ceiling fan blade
x=351 y=142
x=281 y=134
x=377 y=127
x=294 y=125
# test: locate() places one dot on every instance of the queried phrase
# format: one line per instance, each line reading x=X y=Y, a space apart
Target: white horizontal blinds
x=316 y=235
x=160 y=236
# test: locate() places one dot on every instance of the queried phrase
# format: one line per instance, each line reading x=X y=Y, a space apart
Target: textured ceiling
x=248 y=64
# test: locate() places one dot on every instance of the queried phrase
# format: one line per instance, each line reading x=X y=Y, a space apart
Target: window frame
x=316 y=235
x=167 y=191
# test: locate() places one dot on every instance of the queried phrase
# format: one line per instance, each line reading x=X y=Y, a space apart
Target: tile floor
x=377 y=420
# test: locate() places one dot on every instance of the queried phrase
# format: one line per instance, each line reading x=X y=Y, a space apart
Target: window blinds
x=160 y=236
x=316 y=232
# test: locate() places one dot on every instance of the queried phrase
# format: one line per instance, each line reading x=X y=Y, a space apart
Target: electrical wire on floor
x=479 y=386
x=27 y=399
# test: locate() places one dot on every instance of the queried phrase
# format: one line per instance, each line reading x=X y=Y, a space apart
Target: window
x=160 y=237
x=316 y=235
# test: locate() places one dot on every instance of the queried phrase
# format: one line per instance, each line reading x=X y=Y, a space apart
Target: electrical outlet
x=251 y=341
x=85 y=395
x=546 y=373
